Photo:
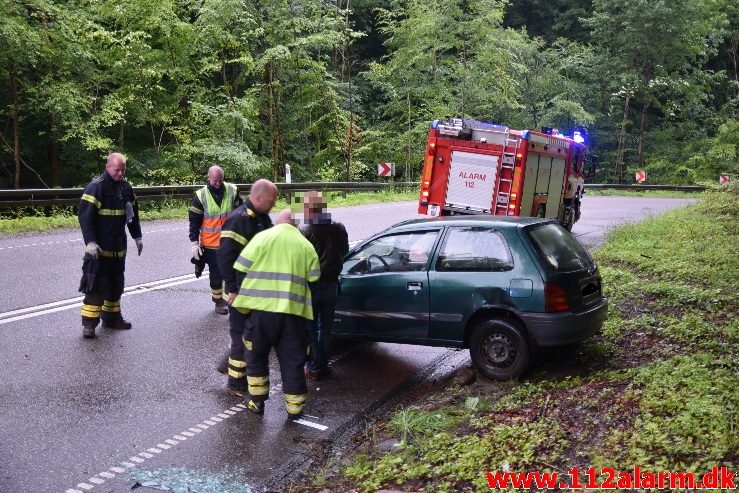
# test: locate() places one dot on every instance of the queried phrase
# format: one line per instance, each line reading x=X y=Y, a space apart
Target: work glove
x=197 y=252
x=92 y=249
x=139 y=245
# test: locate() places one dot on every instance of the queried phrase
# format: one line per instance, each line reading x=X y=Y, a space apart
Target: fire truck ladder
x=505 y=177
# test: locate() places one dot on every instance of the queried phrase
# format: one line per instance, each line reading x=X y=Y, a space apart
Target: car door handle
x=415 y=285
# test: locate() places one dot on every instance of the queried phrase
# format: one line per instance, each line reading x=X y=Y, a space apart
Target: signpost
x=386 y=169
x=641 y=176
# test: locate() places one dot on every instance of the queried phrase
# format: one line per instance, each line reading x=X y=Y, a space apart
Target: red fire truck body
x=472 y=167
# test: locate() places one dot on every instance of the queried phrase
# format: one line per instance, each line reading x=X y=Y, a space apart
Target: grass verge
x=657 y=389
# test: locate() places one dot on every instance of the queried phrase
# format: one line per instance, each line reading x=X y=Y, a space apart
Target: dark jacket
x=102 y=213
x=331 y=243
x=240 y=227
x=195 y=212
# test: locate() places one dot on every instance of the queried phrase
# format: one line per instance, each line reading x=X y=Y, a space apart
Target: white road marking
x=180 y=438
x=311 y=424
x=85 y=486
x=224 y=416
x=202 y=426
x=209 y=422
x=70 y=490
x=57 y=306
x=229 y=412
x=154 y=450
x=195 y=430
x=164 y=446
x=216 y=419
x=137 y=460
x=171 y=442
x=106 y=475
x=96 y=480
x=118 y=470
x=128 y=465
x=187 y=434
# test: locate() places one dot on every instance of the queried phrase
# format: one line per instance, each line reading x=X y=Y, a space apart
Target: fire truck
x=472 y=167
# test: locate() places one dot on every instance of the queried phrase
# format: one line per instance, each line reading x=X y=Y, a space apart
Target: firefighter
x=278 y=265
x=242 y=224
x=209 y=210
x=331 y=243
x=107 y=206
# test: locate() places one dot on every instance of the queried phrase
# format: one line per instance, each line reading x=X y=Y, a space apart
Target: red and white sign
x=641 y=176
x=723 y=179
x=386 y=169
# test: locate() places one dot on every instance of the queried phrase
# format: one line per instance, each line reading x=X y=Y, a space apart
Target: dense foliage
x=332 y=88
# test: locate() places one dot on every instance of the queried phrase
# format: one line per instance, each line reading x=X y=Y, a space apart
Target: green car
x=498 y=286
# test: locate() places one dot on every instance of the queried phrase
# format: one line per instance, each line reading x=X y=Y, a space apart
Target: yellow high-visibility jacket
x=278 y=263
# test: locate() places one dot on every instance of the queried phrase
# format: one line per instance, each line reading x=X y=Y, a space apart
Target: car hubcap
x=499 y=350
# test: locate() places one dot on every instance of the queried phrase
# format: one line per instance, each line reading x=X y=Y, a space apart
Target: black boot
x=117 y=324
x=221 y=307
x=88 y=331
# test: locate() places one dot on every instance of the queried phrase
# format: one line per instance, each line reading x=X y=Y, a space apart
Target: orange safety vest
x=214 y=215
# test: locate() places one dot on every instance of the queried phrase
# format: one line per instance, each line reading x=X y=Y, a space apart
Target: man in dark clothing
x=331 y=243
x=242 y=224
x=208 y=212
x=107 y=205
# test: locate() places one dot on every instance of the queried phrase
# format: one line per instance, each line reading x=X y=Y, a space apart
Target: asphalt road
x=146 y=406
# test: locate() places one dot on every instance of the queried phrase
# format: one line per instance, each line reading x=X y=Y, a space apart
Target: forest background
x=332 y=87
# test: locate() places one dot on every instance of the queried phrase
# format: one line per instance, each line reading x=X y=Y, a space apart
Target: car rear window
x=559 y=248
x=474 y=250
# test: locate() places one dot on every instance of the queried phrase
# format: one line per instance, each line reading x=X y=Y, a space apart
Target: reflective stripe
x=278 y=276
x=234 y=236
x=244 y=262
x=112 y=306
x=196 y=210
x=210 y=229
x=236 y=374
x=294 y=402
x=258 y=385
x=112 y=212
x=314 y=274
x=91 y=199
x=247 y=344
x=216 y=292
x=106 y=253
x=250 y=213
x=91 y=311
x=281 y=295
x=236 y=363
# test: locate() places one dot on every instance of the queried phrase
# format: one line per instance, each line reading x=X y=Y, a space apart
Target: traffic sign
x=641 y=176
x=723 y=179
x=386 y=169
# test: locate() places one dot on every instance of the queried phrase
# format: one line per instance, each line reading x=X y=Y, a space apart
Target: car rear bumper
x=558 y=329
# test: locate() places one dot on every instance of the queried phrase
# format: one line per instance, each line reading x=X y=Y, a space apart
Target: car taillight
x=555 y=299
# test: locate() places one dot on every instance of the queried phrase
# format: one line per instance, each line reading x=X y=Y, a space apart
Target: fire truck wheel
x=499 y=350
x=541 y=211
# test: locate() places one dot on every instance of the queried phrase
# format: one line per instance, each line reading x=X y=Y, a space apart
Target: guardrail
x=70 y=196
x=40 y=197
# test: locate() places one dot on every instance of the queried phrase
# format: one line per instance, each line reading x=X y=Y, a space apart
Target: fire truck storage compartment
x=544 y=176
x=471 y=181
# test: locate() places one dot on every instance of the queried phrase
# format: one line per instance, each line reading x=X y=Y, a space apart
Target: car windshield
x=560 y=248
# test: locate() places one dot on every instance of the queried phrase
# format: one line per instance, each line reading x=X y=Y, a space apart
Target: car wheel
x=541 y=211
x=499 y=349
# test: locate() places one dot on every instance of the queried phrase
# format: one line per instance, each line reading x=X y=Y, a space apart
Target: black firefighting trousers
x=215 y=278
x=104 y=301
x=288 y=334
x=238 y=330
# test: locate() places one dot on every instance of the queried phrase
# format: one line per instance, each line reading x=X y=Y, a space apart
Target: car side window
x=474 y=250
x=405 y=252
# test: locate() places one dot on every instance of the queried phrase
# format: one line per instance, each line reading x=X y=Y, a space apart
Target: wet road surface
x=145 y=406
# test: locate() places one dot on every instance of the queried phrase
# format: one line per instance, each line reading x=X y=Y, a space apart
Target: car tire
x=499 y=349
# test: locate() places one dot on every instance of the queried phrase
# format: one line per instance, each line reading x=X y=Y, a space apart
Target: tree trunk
x=642 y=123
x=52 y=152
x=271 y=119
x=619 y=168
x=16 y=124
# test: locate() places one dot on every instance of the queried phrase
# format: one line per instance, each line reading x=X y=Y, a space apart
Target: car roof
x=470 y=220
